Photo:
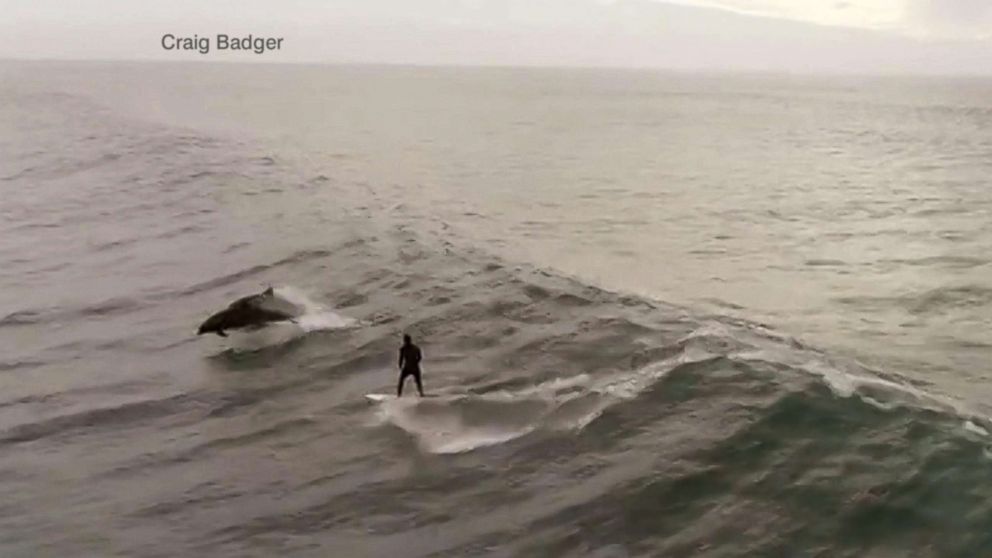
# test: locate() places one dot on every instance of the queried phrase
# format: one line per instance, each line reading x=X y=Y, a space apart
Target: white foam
x=443 y=424
x=630 y=385
x=448 y=423
x=314 y=316
x=975 y=429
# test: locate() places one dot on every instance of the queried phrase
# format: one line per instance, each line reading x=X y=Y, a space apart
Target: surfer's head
x=407 y=340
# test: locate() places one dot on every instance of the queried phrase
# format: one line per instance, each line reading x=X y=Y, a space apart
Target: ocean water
x=662 y=314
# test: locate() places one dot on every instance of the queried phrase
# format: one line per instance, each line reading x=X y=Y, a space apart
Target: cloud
x=958 y=11
x=951 y=18
x=944 y=19
x=861 y=14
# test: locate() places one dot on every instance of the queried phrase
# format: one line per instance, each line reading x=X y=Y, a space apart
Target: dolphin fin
x=221 y=333
x=269 y=292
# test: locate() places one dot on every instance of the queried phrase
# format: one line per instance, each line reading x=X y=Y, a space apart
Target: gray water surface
x=663 y=314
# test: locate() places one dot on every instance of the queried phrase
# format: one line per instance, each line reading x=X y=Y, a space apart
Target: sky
x=832 y=36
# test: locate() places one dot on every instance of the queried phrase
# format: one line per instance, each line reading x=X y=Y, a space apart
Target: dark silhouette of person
x=410 y=356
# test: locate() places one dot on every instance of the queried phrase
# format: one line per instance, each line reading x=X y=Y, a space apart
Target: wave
x=106 y=308
x=724 y=424
x=781 y=461
x=454 y=423
x=930 y=302
x=458 y=422
x=94 y=419
x=232 y=278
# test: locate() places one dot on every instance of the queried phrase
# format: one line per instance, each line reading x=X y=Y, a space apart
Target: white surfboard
x=382 y=397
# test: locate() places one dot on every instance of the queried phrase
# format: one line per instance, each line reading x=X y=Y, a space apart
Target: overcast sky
x=899 y=36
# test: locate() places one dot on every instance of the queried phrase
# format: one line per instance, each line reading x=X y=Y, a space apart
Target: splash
x=314 y=316
x=456 y=423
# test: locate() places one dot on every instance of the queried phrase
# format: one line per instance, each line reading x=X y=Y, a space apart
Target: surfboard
x=382 y=397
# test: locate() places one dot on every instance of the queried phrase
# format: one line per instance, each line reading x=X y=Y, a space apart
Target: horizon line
x=515 y=66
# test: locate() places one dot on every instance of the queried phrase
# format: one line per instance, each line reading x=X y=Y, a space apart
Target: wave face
x=563 y=418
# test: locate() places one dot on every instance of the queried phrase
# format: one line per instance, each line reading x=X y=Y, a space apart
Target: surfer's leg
x=420 y=387
x=399 y=387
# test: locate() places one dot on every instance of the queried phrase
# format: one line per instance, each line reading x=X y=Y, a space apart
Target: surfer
x=410 y=356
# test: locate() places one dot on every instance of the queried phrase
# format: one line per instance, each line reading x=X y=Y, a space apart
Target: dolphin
x=247 y=312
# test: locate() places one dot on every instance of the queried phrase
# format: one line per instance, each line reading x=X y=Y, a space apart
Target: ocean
x=662 y=314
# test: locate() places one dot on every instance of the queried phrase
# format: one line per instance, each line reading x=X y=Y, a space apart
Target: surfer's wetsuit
x=409 y=366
